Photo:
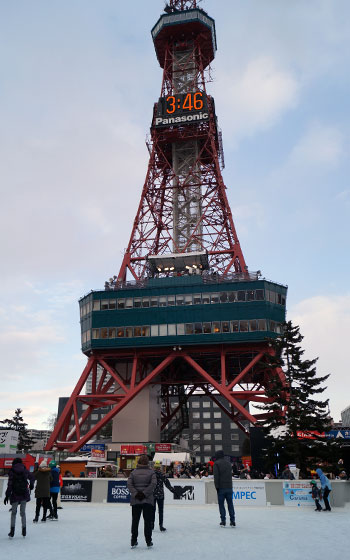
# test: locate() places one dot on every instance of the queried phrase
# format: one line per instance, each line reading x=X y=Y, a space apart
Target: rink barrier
x=197 y=492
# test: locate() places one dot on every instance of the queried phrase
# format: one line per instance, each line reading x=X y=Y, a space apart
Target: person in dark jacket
x=42 y=475
x=54 y=489
x=316 y=494
x=141 y=483
x=19 y=484
x=287 y=474
x=223 y=484
x=159 y=495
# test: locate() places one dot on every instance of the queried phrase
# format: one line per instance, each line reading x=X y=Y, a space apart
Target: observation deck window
x=180 y=329
x=234 y=326
x=137 y=331
x=188 y=328
x=262 y=325
x=180 y=300
x=154 y=330
x=145 y=302
x=97 y=305
x=138 y=302
x=112 y=332
x=223 y=297
x=163 y=330
x=162 y=301
x=253 y=325
x=216 y=327
x=129 y=303
x=121 y=303
x=241 y=295
x=206 y=328
x=145 y=331
x=172 y=329
x=214 y=298
x=188 y=299
x=120 y=332
x=128 y=332
x=104 y=304
x=225 y=325
x=232 y=297
x=259 y=295
x=197 y=299
x=198 y=329
x=243 y=326
x=171 y=300
x=104 y=332
x=112 y=304
x=250 y=295
x=205 y=298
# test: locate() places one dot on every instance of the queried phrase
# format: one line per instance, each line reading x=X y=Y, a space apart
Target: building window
x=217 y=414
x=206 y=447
x=104 y=304
x=195 y=404
x=233 y=426
x=137 y=302
x=218 y=447
x=217 y=425
x=206 y=426
x=154 y=330
x=94 y=416
x=206 y=415
x=196 y=426
x=218 y=437
x=235 y=448
x=163 y=331
x=206 y=404
x=196 y=414
x=234 y=437
x=207 y=437
x=97 y=305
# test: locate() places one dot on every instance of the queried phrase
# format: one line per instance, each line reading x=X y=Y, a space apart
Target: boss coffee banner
x=118 y=492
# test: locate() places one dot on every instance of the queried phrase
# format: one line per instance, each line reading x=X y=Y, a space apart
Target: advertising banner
x=93 y=447
x=189 y=491
x=8 y=441
x=133 y=449
x=76 y=491
x=248 y=493
x=118 y=492
x=163 y=447
x=297 y=493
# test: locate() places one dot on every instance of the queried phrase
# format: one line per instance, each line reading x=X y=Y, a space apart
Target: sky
x=78 y=80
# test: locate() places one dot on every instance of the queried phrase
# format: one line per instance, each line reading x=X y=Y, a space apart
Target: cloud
x=254 y=98
x=325 y=323
x=321 y=145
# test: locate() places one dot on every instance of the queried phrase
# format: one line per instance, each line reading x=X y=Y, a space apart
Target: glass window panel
x=241 y=295
x=207 y=328
x=180 y=300
x=235 y=448
x=171 y=330
x=217 y=425
x=262 y=324
x=243 y=326
x=104 y=332
x=112 y=332
x=196 y=414
x=88 y=336
x=216 y=327
x=154 y=301
x=225 y=326
x=162 y=301
x=272 y=296
x=217 y=414
x=217 y=447
x=283 y=300
x=279 y=299
x=250 y=295
x=94 y=416
x=120 y=332
x=163 y=330
x=154 y=330
x=112 y=304
x=198 y=328
x=206 y=404
x=223 y=297
x=278 y=328
x=137 y=331
x=206 y=415
x=97 y=305
x=234 y=326
x=232 y=297
x=207 y=437
x=218 y=437
x=214 y=298
x=206 y=426
x=272 y=326
x=171 y=300
x=180 y=328
x=121 y=303
x=145 y=302
x=197 y=299
x=83 y=338
x=233 y=426
x=253 y=325
x=207 y=447
x=188 y=328
x=205 y=298
x=259 y=294
x=188 y=299
x=195 y=404
x=128 y=332
x=129 y=303
x=196 y=426
x=234 y=437
x=104 y=304
x=137 y=302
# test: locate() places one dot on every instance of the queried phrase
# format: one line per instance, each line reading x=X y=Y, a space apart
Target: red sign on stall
x=162 y=447
x=133 y=449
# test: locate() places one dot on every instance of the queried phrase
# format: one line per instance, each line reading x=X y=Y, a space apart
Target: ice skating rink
x=90 y=531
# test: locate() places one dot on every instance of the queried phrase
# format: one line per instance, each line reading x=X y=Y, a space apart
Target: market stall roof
x=183 y=457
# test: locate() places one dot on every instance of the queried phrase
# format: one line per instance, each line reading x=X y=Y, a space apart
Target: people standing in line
x=159 y=495
x=326 y=488
x=54 y=490
x=141 y=483
x=19 y=484
x=316 y=494
x=42 y=475
x=223 y=484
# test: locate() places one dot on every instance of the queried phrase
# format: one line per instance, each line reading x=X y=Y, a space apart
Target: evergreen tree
x=295 y=405
x=25 y=442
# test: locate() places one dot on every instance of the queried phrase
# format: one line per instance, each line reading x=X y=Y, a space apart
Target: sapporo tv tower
x=184 y=315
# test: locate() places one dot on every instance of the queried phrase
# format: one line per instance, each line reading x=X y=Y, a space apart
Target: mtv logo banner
x=188 y=491
x=76 y=491
x=248 y=493
x=118 y=492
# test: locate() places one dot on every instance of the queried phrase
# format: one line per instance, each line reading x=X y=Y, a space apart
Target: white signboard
x=190 y=491
x=297 y=493
x=248 y=493
x=8 y=441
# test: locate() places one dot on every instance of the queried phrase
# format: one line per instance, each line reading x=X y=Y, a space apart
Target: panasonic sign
x=183 y=119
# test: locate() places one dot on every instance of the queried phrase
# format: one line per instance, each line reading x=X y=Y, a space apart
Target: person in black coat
x=159 y=494
x=223 y=484
x=141 y=483
x=19 y=484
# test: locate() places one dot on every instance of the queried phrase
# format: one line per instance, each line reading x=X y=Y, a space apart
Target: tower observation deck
x=184 y=314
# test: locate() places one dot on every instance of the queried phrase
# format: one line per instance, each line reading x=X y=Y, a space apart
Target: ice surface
x=91 y=531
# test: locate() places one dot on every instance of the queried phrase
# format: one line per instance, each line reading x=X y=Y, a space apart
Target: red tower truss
x=200 y=321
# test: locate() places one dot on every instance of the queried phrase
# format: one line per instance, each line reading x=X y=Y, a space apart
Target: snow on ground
x=88 y=531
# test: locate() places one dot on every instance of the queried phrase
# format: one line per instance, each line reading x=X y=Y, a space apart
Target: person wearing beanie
x=141 y=484
x=18 y=493
x=54 y=490
x=316 y=494
x=42 y=475
x=326 y=488
x=223 y=484
x=159 y=495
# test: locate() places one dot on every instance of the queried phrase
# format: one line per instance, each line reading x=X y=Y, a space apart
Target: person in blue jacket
x=54 y=489
x=326 y=488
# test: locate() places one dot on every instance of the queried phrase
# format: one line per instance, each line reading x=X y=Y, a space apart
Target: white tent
x=164 y=458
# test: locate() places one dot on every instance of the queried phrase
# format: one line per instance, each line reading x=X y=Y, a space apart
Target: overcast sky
x=78 y=79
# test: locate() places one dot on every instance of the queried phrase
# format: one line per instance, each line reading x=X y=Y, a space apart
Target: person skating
x=326 y=488
x=19 y=484
x=159 y=495
x=141 y=483
x=223 y=484
x=42 y=475
x=54 y=489
x=316 y=495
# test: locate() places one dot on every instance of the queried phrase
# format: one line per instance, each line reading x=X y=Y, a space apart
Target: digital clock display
x=181 y=108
